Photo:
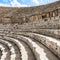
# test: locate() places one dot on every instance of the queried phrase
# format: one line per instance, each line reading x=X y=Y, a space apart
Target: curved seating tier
x=52 y=43
x=27 y=45
x=38 y=51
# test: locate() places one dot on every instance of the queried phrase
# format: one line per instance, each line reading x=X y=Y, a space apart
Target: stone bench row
x=48 y=32
x=52 y=43
x=27 y=41
x=52 y=24
x=24 y=55
x=37 y=50
x=5 y=52
x=11 y=48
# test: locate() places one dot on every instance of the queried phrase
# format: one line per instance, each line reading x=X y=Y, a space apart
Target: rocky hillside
x=16 y=14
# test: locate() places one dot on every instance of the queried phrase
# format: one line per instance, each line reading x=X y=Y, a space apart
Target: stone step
x=0 y=53
x=52 y=43
x=13 y=49
x=37 y=50
x=23 y=51
x=49 y=32
x=30 y=53
x=5 y=52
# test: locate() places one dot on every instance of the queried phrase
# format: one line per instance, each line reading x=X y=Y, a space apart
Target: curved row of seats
x=5 y=52
x=49 y=32
x=23 y=49
x=38 y=51
x=52 y=43
x=34 y=42
x=13 y=49
x=35 y=47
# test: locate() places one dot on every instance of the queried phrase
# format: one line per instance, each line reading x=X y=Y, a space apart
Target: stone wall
x=52 y=15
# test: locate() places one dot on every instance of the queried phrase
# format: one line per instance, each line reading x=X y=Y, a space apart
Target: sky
x=24 y=3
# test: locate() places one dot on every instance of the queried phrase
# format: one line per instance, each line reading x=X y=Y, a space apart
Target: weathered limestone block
x=52 y=18
x=39 y=17
x=6 y=20
x=48 y=19
x=56 y=17
x=47 y=14
x=31 y=18
x=36 y=18
x=58 y=50
x=58 y=12
x=53 y=13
